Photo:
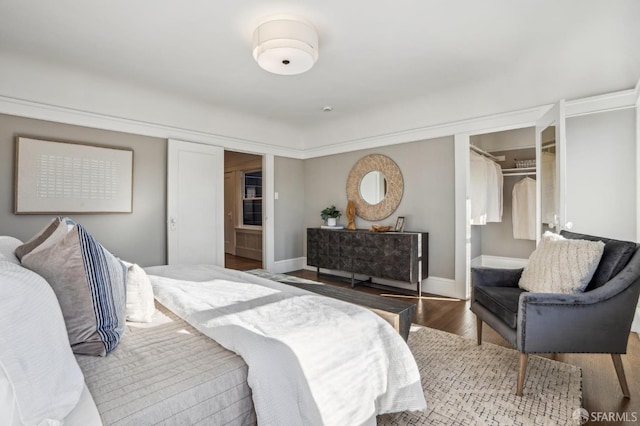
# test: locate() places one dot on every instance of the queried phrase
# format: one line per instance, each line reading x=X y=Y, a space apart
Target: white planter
x=332 y=221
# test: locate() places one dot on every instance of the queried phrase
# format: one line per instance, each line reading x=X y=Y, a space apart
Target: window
x=252 y=198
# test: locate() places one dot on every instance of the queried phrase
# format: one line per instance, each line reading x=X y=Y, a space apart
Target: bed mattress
x=166 y=372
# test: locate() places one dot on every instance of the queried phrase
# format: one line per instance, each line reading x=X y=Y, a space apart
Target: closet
x=507 y=242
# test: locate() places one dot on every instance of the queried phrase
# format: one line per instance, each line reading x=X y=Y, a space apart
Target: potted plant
x=330 y=215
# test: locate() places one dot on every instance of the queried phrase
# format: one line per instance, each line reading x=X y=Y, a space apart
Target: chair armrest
x=495 y=277
x=597 y=321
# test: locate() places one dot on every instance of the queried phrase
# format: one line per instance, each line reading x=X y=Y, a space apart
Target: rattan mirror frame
x=395 y=186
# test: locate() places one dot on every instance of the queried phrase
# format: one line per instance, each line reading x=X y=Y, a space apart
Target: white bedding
x=312 y=360
x=41 y=380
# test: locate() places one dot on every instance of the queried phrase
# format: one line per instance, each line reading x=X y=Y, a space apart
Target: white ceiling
x=495 y=55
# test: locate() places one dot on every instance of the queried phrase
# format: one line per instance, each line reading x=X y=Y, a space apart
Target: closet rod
x=486 y=154
x=519 y=174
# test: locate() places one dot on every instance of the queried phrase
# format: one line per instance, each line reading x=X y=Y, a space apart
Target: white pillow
x=140 y=303
x=560 y=265
x=8 y=246
x=35 y=354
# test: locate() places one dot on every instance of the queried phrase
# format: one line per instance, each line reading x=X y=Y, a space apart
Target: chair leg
x=617 y=363
x=479 y=330
x=522 y=369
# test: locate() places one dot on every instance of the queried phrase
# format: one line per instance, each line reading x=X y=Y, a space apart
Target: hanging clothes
x=495 y=182
x=548 y=187
x=478 y=189
x=485 y=192
x=523 y=210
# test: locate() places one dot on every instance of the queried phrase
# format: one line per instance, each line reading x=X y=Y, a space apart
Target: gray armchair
x=596 y=321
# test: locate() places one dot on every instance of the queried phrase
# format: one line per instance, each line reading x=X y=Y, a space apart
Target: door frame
x=635 y=326
x=268 y=226
x=268 y=212
x=229 y=234
x=268 y=196
x=555 y=116
x=462 y=252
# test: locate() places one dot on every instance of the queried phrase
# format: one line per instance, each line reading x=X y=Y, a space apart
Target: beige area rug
x=467 y=384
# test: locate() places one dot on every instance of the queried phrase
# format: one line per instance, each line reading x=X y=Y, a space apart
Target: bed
x=222 y=347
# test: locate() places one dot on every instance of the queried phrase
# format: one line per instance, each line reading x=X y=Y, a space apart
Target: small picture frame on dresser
x=399 y=224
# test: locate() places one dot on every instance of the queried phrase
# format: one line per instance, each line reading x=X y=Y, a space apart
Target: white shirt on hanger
x=523 y=212
x=478 y=189
x=495 y=182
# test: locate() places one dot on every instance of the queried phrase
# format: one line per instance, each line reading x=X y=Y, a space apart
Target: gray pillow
x=89 y=283
x=38 y=239
x=51 y=234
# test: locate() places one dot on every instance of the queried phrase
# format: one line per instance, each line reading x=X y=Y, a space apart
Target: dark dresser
x=400 y=256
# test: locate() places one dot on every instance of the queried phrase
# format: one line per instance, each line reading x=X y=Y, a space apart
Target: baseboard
x=288 y=265
x=499 y=262
x=442 y=287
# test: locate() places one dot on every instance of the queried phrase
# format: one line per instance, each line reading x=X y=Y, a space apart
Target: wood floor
x=600 y=388
x=241 y=263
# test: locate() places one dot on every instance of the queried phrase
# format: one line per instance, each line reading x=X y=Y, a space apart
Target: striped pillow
x=90 y=284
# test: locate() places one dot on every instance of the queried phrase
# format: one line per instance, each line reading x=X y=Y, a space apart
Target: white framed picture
x=69 y=177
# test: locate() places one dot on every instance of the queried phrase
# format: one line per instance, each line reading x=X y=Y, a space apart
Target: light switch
x=276 y=195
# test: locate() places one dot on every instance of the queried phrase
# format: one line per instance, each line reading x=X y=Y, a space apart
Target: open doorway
x=243 y=207
x=503 y=208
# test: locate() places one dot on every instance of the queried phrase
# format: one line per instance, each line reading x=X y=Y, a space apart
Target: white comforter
x=312 y=360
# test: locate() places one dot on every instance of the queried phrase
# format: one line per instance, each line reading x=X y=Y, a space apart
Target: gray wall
x=289 y=208
x=601 y=174
x=428 y=203
x=138 y=237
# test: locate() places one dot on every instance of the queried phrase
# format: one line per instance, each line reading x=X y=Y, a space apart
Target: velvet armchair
x=597 y=320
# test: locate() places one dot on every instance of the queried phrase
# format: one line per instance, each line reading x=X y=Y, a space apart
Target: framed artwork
x=64 y=177
x=399 y=224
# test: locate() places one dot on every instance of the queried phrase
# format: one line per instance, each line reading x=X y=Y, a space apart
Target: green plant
x=330 y=212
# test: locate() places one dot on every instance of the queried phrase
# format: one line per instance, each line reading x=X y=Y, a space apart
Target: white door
x=195 y=203
x=229 y=213
x=551 y=171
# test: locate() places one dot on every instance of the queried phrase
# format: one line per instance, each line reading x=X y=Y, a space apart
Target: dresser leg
x=353 y=282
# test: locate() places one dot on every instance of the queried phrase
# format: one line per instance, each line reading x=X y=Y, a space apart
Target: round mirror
x=373 y=187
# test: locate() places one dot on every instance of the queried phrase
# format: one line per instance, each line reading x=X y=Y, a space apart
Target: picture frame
x=56 y=177
x=399 y=224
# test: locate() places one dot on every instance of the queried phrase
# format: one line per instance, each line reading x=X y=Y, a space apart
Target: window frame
x=243 y=198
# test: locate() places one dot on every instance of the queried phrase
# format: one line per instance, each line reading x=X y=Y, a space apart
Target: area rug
x=467 y=384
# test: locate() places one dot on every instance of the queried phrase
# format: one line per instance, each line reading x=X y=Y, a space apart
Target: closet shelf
x=519 y=171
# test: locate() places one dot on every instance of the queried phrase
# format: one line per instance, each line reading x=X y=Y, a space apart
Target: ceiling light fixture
x=285 y=46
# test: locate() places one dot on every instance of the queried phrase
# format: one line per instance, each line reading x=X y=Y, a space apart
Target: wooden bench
x=398 y=313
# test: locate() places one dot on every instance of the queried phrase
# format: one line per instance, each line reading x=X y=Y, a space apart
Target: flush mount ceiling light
x=285 y=46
